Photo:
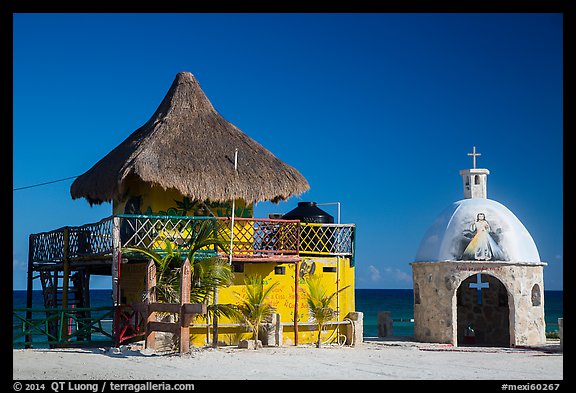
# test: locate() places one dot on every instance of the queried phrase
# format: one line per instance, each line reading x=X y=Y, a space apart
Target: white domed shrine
x=503 y=237
x=478 y=277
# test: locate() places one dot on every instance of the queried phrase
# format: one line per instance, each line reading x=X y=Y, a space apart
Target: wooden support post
x=150 y=298
x=215 y=295
x=65 y=281
x=29 y=288
x=185 y=286
x=296 y=290
x=116 y=260
x=215 y=319
x=296 y=280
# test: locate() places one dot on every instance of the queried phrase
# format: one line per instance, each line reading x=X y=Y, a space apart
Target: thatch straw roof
x=187 y=145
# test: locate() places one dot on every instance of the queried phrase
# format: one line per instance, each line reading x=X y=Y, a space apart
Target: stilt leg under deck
x=29 y=288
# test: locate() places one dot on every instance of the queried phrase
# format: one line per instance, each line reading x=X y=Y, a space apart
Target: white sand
x=373 y=359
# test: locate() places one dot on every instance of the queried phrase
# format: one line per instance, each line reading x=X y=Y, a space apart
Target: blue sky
x=377 y=111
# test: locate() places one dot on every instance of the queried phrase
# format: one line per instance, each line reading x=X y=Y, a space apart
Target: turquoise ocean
x=399 y=302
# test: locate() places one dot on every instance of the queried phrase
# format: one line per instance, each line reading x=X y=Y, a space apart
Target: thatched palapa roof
x=187 y=145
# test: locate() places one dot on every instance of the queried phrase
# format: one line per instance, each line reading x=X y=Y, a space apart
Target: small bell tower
x=474 y=179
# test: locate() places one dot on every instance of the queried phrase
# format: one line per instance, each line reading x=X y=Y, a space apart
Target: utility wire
x=43 y=184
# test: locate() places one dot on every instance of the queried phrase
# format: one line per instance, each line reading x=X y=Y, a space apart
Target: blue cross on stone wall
x=479 y=285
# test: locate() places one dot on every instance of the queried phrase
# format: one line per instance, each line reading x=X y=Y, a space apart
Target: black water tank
x=309 y=212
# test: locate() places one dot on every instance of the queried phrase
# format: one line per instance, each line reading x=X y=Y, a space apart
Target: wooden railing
x=253 y=238
x=73 y=243
x=184 y=310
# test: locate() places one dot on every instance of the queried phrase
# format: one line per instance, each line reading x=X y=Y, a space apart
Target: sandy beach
x=374 y=359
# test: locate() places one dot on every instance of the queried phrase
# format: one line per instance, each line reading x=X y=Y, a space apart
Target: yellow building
x=324 y=248
x=187 y=165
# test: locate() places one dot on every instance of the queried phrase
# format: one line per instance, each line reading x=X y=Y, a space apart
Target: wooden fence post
x=150 y=298
x=185 y=318
x=184 y=309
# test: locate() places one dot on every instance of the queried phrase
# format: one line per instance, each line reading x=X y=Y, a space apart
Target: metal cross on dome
x=474 y=155
x=479 y=285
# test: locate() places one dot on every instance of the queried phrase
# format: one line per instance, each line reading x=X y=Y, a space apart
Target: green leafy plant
x=254 y=308
x=207 y=272
x=319 y=303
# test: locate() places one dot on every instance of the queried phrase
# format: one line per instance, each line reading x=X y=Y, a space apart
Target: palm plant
x=208 y=273
x=319 y=303
x=254 y=308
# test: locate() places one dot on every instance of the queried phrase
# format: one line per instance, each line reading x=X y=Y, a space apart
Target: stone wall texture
x=511 y=312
